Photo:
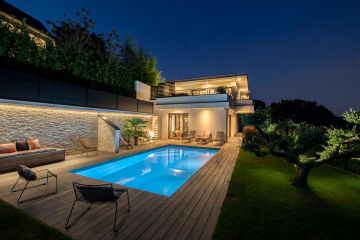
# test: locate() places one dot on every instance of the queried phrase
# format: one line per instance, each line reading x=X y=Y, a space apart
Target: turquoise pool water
x=161 y=170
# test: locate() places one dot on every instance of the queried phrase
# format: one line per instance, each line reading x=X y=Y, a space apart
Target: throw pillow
x=7 y=147
x=22 y=146
x=26 y=172
x=33 y=144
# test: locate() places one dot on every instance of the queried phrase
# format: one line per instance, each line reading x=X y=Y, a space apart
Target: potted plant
x=133 y=127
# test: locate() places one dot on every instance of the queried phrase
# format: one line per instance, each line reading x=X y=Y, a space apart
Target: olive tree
x=344 y=143
x=307 y=146
x=298 y=143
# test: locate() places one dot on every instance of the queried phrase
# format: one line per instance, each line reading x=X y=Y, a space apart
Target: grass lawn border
x=261 y=203
x=16 y=224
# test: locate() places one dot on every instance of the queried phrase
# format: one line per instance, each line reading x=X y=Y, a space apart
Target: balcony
x=167 y=97
x=193 y=99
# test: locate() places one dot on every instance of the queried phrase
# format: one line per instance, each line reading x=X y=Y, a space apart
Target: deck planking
x=190 y=213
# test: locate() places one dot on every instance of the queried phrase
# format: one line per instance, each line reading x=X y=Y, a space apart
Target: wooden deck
x=191 y=213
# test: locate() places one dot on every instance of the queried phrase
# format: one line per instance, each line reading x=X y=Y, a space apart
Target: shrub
x=252 y=140
x=257 y=119
x=79 y=55
x=249 y=131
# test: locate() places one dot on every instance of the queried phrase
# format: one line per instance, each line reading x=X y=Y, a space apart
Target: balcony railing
x=204 y=91
x=166 y=90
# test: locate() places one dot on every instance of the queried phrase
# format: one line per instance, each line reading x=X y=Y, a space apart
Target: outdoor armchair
x=191 y=136
x=96 y=194
x=29 y=176
x=219 y=137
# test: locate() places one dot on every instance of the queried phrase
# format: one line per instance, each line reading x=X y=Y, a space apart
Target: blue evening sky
x=290 y=49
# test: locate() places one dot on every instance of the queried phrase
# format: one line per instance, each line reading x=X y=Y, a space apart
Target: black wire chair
x=35 y=176
x=96 y=194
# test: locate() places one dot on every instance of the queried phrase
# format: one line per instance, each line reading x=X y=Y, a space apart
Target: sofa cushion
x=7 y=147
x=22 y=146
x=34 y=144
x=26 y=152
x=26 y=172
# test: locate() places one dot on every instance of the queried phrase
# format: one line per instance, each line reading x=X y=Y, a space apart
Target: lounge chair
x=29 y=176
x=96 y=194
x=125 y=143
x=85 y=143
x=220 y=137
x=149 y=136
x=205 y=137
x=191 y=136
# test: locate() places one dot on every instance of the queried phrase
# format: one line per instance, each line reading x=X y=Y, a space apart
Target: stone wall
x=108 y=136
x=55 y=126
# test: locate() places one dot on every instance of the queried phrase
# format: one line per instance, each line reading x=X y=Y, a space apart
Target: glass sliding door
x=178 y=124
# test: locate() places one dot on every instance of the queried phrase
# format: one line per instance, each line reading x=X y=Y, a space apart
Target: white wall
x=208 y=119
x=213 y=119
x=233 y=124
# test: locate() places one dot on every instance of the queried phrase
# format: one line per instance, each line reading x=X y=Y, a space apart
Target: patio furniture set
x=91 y=194
x=205 y=137
x=35 y=156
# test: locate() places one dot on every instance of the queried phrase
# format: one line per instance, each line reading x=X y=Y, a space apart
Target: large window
x=178 y=124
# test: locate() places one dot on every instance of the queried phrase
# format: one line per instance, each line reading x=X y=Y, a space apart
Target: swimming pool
x=162 y=170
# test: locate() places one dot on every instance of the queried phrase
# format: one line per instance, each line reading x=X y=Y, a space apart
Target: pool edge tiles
x=162 y=170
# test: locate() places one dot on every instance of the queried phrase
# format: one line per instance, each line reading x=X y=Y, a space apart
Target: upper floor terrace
x=230 y=90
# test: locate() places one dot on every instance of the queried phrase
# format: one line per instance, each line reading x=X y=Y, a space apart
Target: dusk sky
x=290 y=49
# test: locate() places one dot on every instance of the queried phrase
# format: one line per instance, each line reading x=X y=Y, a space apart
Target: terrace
x=190 y=213
x=232 y=89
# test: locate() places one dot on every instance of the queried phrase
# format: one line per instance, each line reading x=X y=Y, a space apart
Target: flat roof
x=208 y=77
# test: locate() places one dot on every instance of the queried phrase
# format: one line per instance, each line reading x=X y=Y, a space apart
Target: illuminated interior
x=235 y=85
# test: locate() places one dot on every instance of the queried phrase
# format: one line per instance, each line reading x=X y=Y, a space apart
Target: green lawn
x=261 y=203
x=16 y=224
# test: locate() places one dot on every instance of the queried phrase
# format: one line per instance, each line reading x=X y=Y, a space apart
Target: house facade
x=203 y=104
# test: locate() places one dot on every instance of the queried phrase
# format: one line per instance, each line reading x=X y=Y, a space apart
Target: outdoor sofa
x=30 y=158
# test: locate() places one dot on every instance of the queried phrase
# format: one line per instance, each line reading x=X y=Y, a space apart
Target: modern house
x=55 y=111
x=13 y=16
x=45 y=117
x=203 y=104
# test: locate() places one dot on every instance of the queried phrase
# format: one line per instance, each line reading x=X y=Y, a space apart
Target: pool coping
x=137 y=153
x=84 y=168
